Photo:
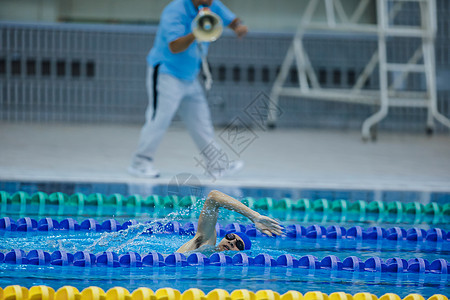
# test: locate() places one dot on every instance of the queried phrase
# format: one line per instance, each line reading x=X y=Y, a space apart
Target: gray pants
x=174 y=94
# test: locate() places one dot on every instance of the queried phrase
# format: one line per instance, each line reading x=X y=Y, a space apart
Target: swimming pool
x=325 y=258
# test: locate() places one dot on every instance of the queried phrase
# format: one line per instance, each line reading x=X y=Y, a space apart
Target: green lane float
x=319 y=209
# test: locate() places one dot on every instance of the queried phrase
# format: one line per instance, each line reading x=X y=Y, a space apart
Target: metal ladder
x=386 y=96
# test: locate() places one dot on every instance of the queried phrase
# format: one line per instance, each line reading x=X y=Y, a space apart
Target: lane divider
x=16 y=292
x=294 y=231
x=155 y=259
x=395 y=212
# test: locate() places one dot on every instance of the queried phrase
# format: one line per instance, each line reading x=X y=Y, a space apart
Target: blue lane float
x=90 y=224
x=288 y=261
x=174 y=228
x=69 y=224
x=436 y=235
x=198 y=259
x=353 y=263
x=48 y=224
x=176 y=260
x=335 y=232
x=38 y=257
x=153 y=259
x=16 y=257
x=440 y=266
x=416 y=234
x=84 y=259
x=395 y=233
x=61 y=258
x=131 y=260
x=220 y=259
x=129 y=223
x=309 y=262
x=355 y=232
x=264 y=260
x=108 y=259
x=8 y=224
x=111 y=225
x=418 y=265
x=396 y=265
x=294 y=231
x=26 y=224
x=375 y=264
x=374 y=233
x=242 y=259
x=331 y=262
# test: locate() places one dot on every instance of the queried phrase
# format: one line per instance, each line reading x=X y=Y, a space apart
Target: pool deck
x=297 y=158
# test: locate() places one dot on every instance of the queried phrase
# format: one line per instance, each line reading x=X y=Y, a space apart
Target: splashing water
x=117 y=241
x=134 y=238
x=129 y=238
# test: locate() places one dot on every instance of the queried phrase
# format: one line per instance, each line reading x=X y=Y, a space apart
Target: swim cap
x=245 y=239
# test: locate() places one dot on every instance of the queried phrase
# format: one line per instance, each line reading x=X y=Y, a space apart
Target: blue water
x=130 y=240
x=229 y=278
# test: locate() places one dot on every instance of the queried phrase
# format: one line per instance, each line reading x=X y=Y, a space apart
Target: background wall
x=29 y=10
x=59 y=72
x=265 y=15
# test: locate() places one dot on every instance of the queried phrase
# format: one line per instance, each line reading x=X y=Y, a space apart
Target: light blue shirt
x=176 y=22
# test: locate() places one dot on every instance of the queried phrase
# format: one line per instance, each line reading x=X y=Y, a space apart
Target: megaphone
x=207 y=26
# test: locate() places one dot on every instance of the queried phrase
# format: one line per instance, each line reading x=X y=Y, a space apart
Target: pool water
x=280 y=279
x=207 y=278
x=228 y=278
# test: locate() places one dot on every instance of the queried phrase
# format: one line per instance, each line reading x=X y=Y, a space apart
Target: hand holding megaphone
x=207 y=26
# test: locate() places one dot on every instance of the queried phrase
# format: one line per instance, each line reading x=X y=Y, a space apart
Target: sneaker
x=143 y=168
x=233 y=167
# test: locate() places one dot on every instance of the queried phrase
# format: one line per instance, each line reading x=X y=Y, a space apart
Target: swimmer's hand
x=267 y=225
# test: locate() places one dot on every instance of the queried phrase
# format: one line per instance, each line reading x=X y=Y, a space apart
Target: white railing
x=387 y=95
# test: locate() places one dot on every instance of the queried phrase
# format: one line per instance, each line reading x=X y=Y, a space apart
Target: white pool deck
x=294 y=158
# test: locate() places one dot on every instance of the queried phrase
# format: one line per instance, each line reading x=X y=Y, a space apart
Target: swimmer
x=236 y=241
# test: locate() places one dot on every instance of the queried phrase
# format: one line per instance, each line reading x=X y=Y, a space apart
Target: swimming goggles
x=239 y=243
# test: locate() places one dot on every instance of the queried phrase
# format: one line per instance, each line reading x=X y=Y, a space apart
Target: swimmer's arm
x=192 y=244
x=217 y=199
x=206 y=230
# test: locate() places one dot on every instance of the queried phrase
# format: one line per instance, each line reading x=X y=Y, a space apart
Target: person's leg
x=159 y=114
x=195 y=113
